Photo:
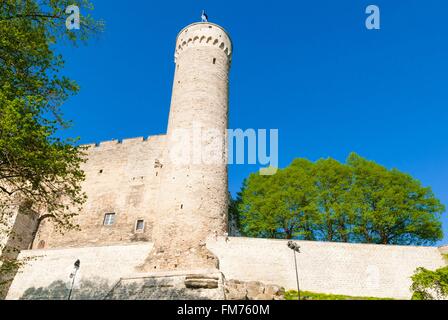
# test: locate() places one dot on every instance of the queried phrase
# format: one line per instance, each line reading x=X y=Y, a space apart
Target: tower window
x=140 y=226
x=41 y=244
x=109 y=219
x=214 y=60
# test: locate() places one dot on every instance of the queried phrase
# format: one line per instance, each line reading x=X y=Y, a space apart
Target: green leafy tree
x=279 y=206
x=393 y=207
x=359 y=201
x=430 y=285
x=333 y=181
x=36 y=165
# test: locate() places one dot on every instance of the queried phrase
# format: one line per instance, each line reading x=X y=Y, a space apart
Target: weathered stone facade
x=193 y=194
x=252 y=290
x=123 y=178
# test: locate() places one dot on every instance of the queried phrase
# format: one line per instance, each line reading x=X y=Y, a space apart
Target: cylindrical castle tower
x=193 y=199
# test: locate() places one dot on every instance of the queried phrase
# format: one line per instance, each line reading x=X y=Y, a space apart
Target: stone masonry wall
x=122 y=178
x=338 y=268
x=101 y=267
x=16 y=221
x=193 y=191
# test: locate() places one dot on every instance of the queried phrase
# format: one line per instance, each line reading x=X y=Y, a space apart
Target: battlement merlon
x=124 y=142
x=203 y=34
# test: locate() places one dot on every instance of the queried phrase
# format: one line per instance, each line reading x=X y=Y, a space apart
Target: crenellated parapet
x=123 y=142
x=203 y=34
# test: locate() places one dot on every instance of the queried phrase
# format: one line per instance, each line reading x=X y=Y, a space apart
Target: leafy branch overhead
x=35 y=163
x=359 y=201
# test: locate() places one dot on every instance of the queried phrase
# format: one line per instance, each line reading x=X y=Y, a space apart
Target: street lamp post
x=73 y=276
x=296 y=249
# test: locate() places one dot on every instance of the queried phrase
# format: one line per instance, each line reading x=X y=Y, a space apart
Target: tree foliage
x=359 y=201
x=430 y=285
x=37 y=167
x=35 y=164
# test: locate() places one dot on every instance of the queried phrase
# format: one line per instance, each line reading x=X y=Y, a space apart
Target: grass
x=306 y=295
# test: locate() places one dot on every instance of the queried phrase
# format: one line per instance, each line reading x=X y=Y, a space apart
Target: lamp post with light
x=73 y=276
x=296 y=248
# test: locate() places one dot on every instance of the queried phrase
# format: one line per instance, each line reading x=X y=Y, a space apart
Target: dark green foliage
x=233 y=217
x=359 y=201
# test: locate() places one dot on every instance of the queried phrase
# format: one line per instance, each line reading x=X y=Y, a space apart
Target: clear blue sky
x=309 y=68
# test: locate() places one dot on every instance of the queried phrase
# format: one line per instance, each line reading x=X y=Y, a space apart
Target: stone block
x=201 y=283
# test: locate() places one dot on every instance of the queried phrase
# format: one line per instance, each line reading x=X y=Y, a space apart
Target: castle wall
x=338 y=268
x=102 y=266
x=122 y=177
x=8 y=216
x=16 y=224
x=15 y=230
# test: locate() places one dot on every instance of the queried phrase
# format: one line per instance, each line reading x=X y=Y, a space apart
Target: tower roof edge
x=204 y=23
x=203 y=34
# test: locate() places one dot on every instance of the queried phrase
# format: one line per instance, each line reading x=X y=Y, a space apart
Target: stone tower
x=193 y=197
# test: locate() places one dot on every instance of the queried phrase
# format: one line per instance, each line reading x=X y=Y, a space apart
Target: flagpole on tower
x=204 y=16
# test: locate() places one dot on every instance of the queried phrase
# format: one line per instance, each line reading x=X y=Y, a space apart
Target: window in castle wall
x=41 y=244
x=140 y=226
x=109 y=219
x=214 y=60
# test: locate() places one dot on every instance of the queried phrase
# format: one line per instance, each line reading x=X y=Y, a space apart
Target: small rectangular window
x=109 y=219
x=214 y=60
x=140 y=225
